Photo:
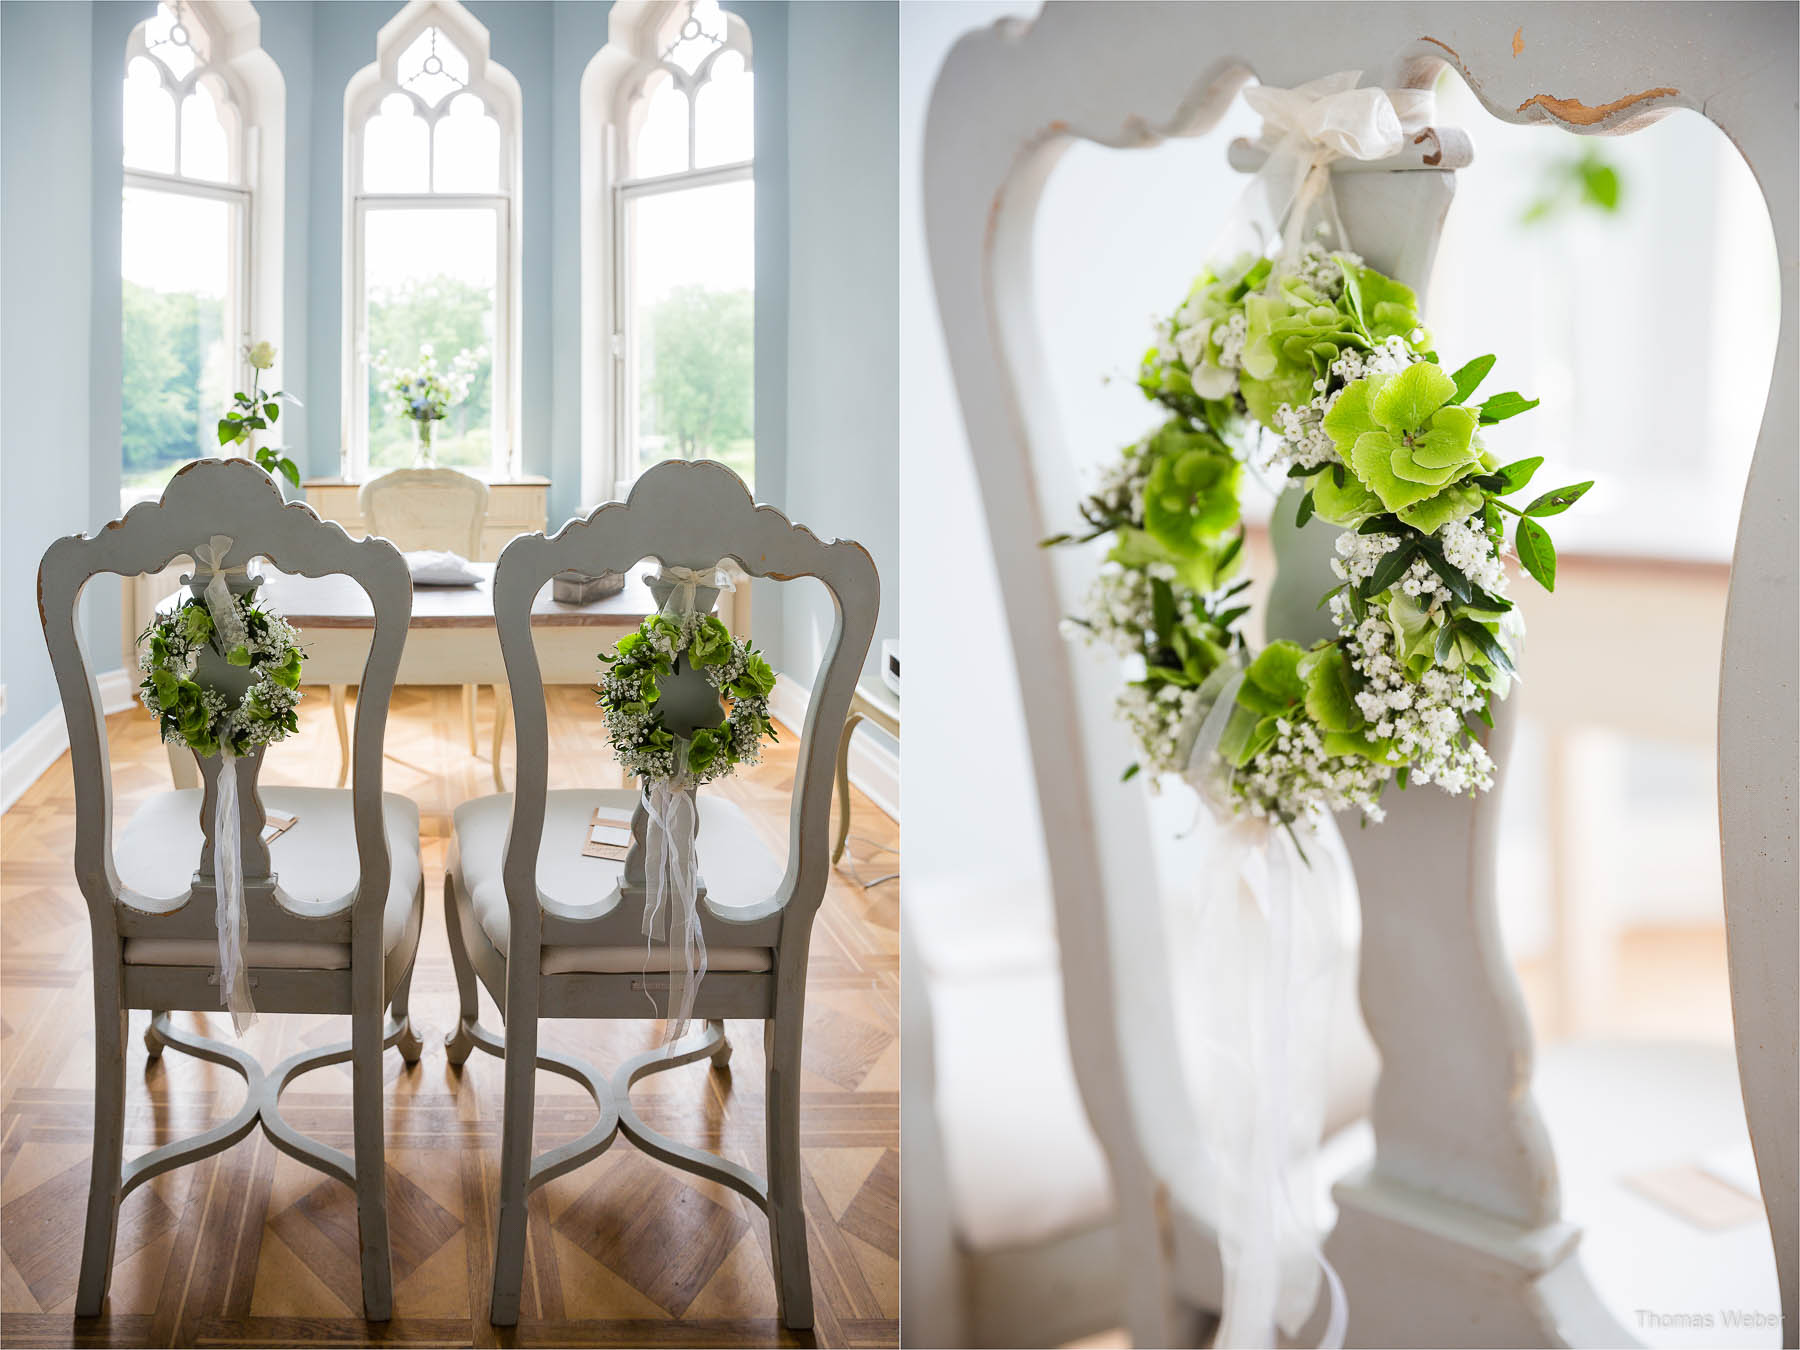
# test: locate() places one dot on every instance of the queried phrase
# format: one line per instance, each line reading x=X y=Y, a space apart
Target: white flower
x=261 y=355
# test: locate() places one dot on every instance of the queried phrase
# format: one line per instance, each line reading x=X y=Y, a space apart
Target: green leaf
x=1502 y=406
x=1131 y=772
x=1301 y=471
x=229 y=432
x=1490 y=517
x=1390 y=569
x=1487 y=644
x=1516 y=475
x=1400 y=775
x=1460 y=585
x=1599 y=183
x=1304 y=514
x=1536 y=553
x=1445 y=644
x=290 y=471
x=1469 y=378
x=1556 y=502
x=273 y=410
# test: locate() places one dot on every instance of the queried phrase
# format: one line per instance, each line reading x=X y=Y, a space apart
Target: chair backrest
x=688 y=514
x=426 y=508
x=233 y=497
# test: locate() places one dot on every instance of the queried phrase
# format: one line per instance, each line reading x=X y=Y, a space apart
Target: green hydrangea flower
x=1294 y=335
x=1347 y=506
x=196 y=624
x=1331 y=689
x=1399 y=436
x=710 y=644
x=1192 y=496
x=1384 y=307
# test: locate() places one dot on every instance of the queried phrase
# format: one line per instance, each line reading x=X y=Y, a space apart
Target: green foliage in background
x=166 y=338
x=1579 y=181
x=698 y=393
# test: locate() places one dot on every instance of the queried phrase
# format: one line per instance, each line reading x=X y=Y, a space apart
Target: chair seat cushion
x=738 y=868
x=314 y=860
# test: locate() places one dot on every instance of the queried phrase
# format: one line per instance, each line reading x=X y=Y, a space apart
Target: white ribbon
x=233 y=969
x=211 y=557
x=671 y=911
x=1268 y=923
x=1303 y=131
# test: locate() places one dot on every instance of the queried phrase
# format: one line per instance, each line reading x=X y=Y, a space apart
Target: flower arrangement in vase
x=424 y=394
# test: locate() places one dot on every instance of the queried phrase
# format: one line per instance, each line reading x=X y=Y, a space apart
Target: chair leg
x=460 y=1042
x=843 y=789
x=407 y=1043
x=371 y=1162
x=515 y=1169
x=721 y=1057
x=469 y=697
x=502 y=706
x=787 y=1215
x=153 y=1041
x=110 y=1030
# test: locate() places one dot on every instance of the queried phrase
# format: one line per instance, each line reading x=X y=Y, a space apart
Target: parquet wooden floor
x=251 y=1248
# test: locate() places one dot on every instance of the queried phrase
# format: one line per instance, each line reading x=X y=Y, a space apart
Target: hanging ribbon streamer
x=671 y=911
x=1270 y=911
x=233 y=969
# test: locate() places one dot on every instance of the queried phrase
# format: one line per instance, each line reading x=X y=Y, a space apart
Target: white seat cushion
x=314 y=861
x=738 y=868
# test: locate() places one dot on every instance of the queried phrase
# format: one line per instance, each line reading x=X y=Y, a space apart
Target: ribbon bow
x=688 y=580
x=210 y=557
x=1304 y=130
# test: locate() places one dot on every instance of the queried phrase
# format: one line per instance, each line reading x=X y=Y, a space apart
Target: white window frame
x=257 y=94
x=612 y=90
x=500 y=93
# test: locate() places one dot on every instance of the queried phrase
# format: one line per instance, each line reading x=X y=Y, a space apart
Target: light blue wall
x=46 y=224
x=843 y=402
x=825 y=438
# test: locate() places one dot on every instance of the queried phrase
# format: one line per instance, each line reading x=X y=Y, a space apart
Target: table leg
x=469 y=697
x=182 y=768
x=338 y=693
x=502 y=710
x=843 y=788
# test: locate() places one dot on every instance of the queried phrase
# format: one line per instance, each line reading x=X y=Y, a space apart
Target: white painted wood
x=1457 y=1220
x=686 y=514
x=235 y=496
x=872 y=766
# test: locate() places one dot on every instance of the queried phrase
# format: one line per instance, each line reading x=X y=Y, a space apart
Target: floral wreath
x=202 y=718
x=630 y=689
x=1317 y=369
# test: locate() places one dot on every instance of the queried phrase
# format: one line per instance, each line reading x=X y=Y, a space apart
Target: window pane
x=662 y=138
x=725 y=115
x=180 y=340
x=691 y=328
x=149 y=119
x=396 y=148
x=466 y=148
x=205 y=142
x=433 y=67
x=430 y=283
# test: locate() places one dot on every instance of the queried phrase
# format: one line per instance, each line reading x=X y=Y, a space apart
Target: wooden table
x=451 y=640
x=884 y=713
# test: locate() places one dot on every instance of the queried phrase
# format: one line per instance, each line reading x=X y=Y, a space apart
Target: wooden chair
x=426 y=508
x=534 y=922
x=334 y=906
x=1455 y=1231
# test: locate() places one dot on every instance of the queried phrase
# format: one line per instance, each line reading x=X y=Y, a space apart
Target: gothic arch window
x=200 y=264
x=669 y=243
x=432 y=241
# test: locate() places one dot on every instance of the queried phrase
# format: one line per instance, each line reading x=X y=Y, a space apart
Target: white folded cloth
x=434 y=567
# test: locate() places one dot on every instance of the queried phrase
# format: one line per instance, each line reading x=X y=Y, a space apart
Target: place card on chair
x=609 y=834
x=275 y=825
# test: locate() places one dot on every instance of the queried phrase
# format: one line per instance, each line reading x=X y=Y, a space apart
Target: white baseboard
x=28 y=758
x=873 y=767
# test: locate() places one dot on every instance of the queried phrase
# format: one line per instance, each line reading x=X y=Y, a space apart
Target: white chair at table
x=428 y=509
x=333 y=906
x=551 y=933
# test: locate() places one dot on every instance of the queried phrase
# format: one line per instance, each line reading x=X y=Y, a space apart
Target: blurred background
x=1629 y=283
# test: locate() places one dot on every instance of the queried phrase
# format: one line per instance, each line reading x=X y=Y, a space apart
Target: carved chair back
x=693 y=515
x=426 y=508
x=233 y=497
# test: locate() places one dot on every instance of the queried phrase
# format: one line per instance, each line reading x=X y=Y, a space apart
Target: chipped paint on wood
x=1445 y=45
x=1574 y=111
x=1518 y=40
x=1436 y=156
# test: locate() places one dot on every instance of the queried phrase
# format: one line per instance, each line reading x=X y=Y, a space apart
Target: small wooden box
x=578 y=588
